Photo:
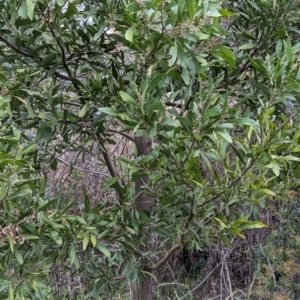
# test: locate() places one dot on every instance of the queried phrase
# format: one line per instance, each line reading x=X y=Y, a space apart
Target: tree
x=205 y=95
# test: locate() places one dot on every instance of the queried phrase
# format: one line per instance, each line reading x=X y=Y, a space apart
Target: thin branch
x=111 y=170
x=24 y=52
x=14 y=46
x=83 y=170
x=254 y=51
x=147 y=58
x=251 y=164
x=128 y=136
x=62 y=50
x=163 y=260
x=72 y=103
x=190 y=150
x=173 y=104
x=273 y=274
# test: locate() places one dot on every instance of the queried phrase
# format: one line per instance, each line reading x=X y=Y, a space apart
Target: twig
x=203 y=281
x=128 y=136
x=163 y=260
x=273 y=275
x=72 y=103
x=111 y=170
x=62 y=50
x=27 y=54
x=83 y=170
x=229 y=280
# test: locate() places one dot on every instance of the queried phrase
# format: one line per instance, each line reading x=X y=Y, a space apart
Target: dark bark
x=142 y=290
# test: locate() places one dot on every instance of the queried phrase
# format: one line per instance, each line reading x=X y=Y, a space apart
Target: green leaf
x=225 y=135
x=52 y=224
x=31 y=237
x=157 y=105
x=248 y=46
x=296 y=48
x=238 y=153
x=85 y=240
x=103 y=249
x=22 y=192
x=226 y=13
x=29 y=148
x=11 y=293
x=207 y=162
x=190 y=5
x=22 y=11
x=84 y=109
x=11 y=243
x=109 y=182
x=173 y=53
x=128 y=99
x=296 y=149
x=130 y=32
x=257 y=66
x=252 y=225
x=19 y=257
x=30 y=8
x=290 y=157
x=93 y=240
x=183 y=58
x=185 y=122
x=11 y=141
x=151 y=69
x=72 y=254
x=99 y=33
x=266 y=191
x=109 y=111
x=266 y=3
x=49 y=59
x=202 y=60
x=279 y=48
x=43 y=185
x=243 y=121
x=228 y=55
x=288 y=50
x=155 y=81
x=214 y=12
x=221 y=223
x=185 y=74
x=274 y=167
x=293 y=87
x=87 y=204
x=253 y=5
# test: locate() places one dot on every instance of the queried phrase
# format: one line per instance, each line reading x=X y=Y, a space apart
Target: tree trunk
x=142 y=290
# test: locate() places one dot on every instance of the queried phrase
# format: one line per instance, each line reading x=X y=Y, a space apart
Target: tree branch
x=128 y=136
x=25 y=52
x=111 y=170
x=62 y=50
x=163 y=260
x=83 y=170
x=14 y=46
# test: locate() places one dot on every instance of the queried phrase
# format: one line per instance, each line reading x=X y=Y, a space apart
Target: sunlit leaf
x=30 y=8
x=103 y=249
x=85 y=240
x=108 y=110
x=128 y=99
x=266 y=191
x=129 y=33
x=18 y=257
x=84 y=109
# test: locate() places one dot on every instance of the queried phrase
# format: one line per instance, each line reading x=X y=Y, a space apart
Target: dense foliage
x=204 y=95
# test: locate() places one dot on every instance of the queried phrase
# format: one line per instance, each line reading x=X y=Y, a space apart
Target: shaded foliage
x=210 y=88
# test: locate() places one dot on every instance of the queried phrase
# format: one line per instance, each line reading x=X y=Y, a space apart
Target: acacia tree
x=205 y=93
